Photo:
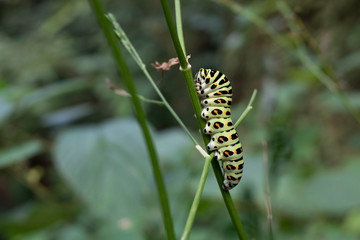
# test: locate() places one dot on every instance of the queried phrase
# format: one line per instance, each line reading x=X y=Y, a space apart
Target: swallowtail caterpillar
x=215 y=92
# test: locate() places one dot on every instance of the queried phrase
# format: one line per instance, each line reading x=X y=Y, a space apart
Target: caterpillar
x=215 y=92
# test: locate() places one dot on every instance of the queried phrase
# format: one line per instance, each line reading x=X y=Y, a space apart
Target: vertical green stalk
x=179 y=25
x=186 y=70
x=173 y=33
x=140 y=114
x=195 y=204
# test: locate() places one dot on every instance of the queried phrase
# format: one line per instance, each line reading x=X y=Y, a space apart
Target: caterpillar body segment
x=204 y=78
x=215 y=112
x=215 y=90
x=216 y=125
x=215 y=86
x=226 y=92
x=217 y=101
x=222 y=139
x=211 y=83
x=233 y=170
x=230 y=152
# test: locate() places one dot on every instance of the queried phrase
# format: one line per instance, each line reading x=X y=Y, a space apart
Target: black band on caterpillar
x=215 y=90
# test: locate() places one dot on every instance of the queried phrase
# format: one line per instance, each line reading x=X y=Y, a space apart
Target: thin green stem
x=144 y=99
x=196 y=201
x=120 y=33
x=122 y=92
x=179 y=25
x=186 y=70
x=174 y=34
x=140 y=114
x=247 y=109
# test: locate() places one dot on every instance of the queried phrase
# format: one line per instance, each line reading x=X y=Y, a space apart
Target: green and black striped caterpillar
x=215 y=90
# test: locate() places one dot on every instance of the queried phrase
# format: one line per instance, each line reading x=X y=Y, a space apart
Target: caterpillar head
x=201 y=75
x=197 y=80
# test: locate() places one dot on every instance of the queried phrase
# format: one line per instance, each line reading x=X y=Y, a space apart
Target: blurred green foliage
x=73 y=161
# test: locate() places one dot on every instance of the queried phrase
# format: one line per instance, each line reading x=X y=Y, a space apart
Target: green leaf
x=19 y=153
x=108 y=166
x=331 y=191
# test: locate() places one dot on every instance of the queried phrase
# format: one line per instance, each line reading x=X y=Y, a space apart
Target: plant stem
x=122 y=92
x=186 y=70
x=179 y=25
x=204 y=174
x=140 y=114
x=174 y=34
x=247 y=109
x=196 y=201
x=144 y=99
x=128 y=45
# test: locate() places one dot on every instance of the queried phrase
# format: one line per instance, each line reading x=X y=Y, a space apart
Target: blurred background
x=73 y=161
